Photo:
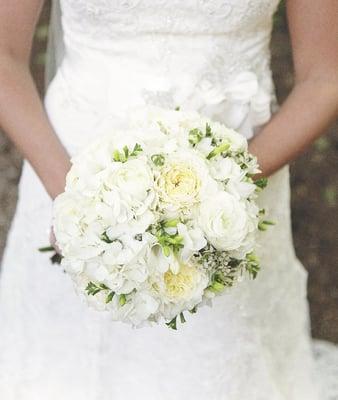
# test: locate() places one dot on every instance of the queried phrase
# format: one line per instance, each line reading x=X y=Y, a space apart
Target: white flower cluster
x=159 y=218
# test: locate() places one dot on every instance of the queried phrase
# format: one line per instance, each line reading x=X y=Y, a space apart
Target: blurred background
x=314 y=188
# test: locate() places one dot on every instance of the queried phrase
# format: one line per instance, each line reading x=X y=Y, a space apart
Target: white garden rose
x=224 y=221
x=183 y=182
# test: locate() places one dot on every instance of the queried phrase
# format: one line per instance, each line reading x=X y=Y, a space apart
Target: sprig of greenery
x=173 y=323
x=169 y=242
x=252 y=265
x=264 y=225
x=93 y=289
x=125 y=154
x=261 y=183
x=105 y=238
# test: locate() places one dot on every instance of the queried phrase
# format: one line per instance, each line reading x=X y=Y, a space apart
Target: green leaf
x=263 y=225
x=193 y=310
x=261 y=183
x=110 y=297
x=136 y=150
x=172 y=324
x=46 y=249
x=171 y=223
x=217 y=287
x=252 y=265
x=223 y=147
x=93 y=288
x=182 y=318
x=104 y=237
x=177 y=108
x=126 y=151
x=122 y=300
x=208 y=132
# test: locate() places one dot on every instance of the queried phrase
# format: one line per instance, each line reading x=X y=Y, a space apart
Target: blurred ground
x=314 y=184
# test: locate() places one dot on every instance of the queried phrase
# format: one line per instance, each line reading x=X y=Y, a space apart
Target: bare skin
x=313 y=103
x=309 y=109
x=22 y=115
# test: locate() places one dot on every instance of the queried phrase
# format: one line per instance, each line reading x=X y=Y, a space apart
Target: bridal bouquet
x=157 y=219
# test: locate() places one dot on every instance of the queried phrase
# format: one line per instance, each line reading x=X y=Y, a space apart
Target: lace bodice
x=107 y=19
x=211 y=56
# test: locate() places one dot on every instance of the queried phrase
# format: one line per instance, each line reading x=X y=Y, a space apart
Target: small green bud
x=122 y=300
x=171 y=223
x=166 y=250
x=218 y=150
x=195 y=136
x=158 y=159
x=208 y=132
x=116 y=156
x=217 y=287
x=110 y=297
x=252 y=257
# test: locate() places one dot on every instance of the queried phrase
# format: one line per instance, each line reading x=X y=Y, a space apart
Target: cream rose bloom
x=183 y=182
x=181 y=290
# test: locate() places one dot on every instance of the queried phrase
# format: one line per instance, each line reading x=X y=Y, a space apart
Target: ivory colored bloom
x=224 y=221
x=183 y=182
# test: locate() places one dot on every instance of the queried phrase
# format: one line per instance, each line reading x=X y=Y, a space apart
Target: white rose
x=183 y=182
x=224 y=221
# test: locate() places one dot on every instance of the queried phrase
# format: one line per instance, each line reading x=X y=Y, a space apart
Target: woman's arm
x=313 y=102
x=22 y=115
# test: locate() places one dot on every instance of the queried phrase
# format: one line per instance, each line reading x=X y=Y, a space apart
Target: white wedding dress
x=254 y=344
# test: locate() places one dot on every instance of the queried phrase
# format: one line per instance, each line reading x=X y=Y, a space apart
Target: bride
x=208 y=55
